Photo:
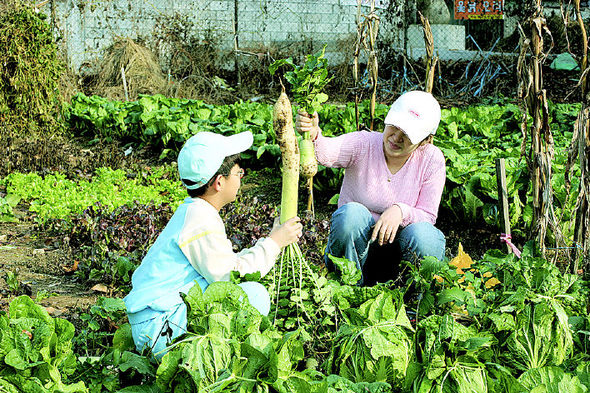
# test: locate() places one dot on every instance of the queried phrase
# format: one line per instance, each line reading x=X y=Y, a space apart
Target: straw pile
x=143 y=74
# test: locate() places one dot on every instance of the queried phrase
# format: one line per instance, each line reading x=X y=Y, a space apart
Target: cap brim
x=238 y=143
x=406 y=123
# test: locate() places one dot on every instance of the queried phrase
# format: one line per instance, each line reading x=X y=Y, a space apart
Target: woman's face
x=396 y=145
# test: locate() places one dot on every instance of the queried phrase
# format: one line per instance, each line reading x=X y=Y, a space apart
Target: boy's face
x=233 y=180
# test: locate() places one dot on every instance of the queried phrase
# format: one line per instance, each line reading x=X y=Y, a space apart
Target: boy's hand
x=304 y=122
x=288 y=233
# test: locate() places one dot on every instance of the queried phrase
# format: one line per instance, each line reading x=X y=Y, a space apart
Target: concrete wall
x=89 y=26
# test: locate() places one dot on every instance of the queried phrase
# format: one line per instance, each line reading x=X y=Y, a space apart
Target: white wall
x=89 y=26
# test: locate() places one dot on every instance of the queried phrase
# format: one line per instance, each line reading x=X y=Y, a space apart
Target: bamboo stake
x=124 y=83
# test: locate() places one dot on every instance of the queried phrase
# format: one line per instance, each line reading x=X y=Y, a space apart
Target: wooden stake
x=503 y=196
x=124 y=83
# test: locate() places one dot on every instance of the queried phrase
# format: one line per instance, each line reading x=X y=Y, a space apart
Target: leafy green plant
x=471 y=139
x=229 y=346
x=450 y=357
x=102 y=321
x=13 y=282
x=56 y=197
x=307 y=81
x=374 y=346
x=36 y=350
x=118 y=366
x=7 y=204
x=44 y=294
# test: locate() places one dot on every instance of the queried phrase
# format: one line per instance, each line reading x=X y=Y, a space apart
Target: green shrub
x=31 y=68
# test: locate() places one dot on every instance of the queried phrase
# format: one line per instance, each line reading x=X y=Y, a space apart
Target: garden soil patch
x=39 y=266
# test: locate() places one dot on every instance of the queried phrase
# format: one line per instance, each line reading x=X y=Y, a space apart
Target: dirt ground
x=39 y=266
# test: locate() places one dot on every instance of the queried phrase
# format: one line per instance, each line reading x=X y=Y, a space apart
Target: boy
x=194 y=248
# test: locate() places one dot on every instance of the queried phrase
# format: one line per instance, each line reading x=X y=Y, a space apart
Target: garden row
x=495 y=325
x=470 y=138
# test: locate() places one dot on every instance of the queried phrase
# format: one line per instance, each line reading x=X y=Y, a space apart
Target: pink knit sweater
x=416 y=188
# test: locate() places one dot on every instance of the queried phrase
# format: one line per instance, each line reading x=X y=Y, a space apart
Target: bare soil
x=39 y=266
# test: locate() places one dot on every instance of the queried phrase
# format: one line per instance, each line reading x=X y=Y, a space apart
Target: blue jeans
x=350 y=231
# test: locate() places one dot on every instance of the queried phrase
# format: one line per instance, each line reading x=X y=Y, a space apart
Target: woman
x=391 y=189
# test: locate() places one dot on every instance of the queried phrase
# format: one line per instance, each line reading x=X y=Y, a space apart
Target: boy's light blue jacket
x=165 y=271
x=193 y=247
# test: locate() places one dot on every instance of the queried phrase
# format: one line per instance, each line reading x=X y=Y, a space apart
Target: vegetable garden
x=481 y=320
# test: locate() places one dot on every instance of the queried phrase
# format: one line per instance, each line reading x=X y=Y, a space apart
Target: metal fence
x=247 y=33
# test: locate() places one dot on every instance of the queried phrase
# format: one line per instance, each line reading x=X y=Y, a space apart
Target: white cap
x=416 y=113
x=202 y=155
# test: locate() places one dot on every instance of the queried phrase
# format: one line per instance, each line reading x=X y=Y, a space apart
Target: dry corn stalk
x=580 y=149
x=431 y=60
x=368 y=28
x=534 y=101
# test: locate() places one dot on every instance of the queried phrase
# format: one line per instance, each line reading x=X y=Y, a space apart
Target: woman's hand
x=304 y=122
x=386 y=228
x=288 y=233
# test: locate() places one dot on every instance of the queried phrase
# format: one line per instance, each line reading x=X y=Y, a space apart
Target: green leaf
x=12 y=199
x=583 y=374
x=502 y=321
x=334 y=199
x=456 y=295
x=551 y=380
x=123 y=339
x=429 y=266
x=350 y=274
x=25 y=307
x=167 y=369
x=133 y=361
x=16 y=358
x=7 y=387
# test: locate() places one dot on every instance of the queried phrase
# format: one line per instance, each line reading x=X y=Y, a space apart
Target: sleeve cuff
x=405 y=213
x=318 y=136
x=271 y=245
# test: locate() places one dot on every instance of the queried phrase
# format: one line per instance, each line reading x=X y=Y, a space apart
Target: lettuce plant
x=36 y=350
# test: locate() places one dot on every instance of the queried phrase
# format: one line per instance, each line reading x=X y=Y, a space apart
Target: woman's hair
x=426 y=140
x=226 y=166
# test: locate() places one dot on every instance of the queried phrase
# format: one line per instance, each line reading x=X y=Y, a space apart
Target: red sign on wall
x=479 y=9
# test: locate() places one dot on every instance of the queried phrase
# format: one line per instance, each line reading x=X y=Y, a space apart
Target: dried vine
x=580 y=150
x=30 y=69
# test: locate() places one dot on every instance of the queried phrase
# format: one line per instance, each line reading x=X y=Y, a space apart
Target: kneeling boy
x=194 y=248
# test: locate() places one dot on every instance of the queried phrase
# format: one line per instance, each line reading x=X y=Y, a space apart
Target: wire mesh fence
x=244 y=36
